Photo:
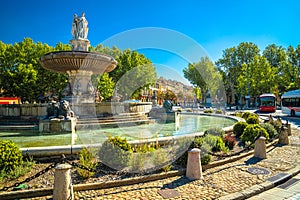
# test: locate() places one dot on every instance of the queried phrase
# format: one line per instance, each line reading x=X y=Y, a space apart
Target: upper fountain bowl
x=66 y=61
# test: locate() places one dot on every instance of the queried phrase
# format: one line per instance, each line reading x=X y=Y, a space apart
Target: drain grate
x=258 y=171
x=168 y=193
x=288 y=183
x=278 y=177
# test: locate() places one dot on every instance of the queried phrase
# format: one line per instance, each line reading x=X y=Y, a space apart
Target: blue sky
x=214 y=25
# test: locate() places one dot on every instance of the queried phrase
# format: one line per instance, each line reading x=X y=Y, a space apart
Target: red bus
x=10 y=100
x=267 y=103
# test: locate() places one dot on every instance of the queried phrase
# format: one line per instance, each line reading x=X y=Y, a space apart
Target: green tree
x=133 y=73
x=21 y=73
x=204 y=75
x=259 y=75
x=105 y=86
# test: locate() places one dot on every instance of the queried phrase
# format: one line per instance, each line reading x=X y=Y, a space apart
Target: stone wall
x=39 y=110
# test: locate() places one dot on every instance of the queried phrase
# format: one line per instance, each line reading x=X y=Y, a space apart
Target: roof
x=291 y=93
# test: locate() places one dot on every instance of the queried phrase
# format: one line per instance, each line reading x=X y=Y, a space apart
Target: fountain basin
x=65 y=61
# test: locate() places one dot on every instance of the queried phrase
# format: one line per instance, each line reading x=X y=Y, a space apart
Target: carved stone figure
x=80 y=27
x=168 y=105
x=65 y=111
x=61 y=110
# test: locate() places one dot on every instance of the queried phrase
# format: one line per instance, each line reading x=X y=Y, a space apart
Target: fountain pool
x=189 y=124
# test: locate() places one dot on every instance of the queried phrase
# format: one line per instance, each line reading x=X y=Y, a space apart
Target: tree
x=21 y=73
x=133 y=73
x=259 y=75
x=105 y=86
x=204 y=75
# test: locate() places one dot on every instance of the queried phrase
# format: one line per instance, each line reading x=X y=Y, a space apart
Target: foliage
x=205 y=76
x=86 y=159
x=19 y=63
x=208 y=111
x=214 y=143
x=277 y=125
x=246 y=114
x=229 y=141
x=215 y=132
x=219 y=112
x=10 y=156
x=105 y=86
x=115 y=152
x=270 y=129
x=133 y=73
x=239 y=127
x=20 y=170
x=253 y=119
x=252 y=131
x=276 y=70
x=206 y=159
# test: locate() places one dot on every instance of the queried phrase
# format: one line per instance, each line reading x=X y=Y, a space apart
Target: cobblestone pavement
x=217 y=182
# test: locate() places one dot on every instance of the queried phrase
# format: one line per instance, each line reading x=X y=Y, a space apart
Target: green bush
x=252 y=131
x=215 y=131
x=239 y=127
x=219 y=112
x=205 y=159
x=115 y=152
x=253 y=119
x=88 y=160
x=10 y=156
x=229 y=141
x=277 y=125
x=245 y=115
x=270 y=129
x=214 y=143
x=208 y=111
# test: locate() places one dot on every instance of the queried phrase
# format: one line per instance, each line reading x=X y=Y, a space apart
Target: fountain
x=79 y=64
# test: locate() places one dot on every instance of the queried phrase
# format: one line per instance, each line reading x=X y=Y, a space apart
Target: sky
x=171 y=33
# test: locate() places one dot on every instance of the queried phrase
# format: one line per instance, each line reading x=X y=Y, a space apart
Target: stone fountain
x=79 y=64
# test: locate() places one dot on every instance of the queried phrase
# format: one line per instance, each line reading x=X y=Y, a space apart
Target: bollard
x=194 y=169
x=63 y=189
x=260 y=148
x=283 y=136
x=289 y=129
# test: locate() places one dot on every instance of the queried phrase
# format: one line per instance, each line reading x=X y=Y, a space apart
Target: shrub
x=197 y=143
x=252 y=131
x=229 y=141
x=270 y=129
x=245 y=115
x=208 y=111
x=215 y=131
x=277 y=125
x=206 y=159
x=115 y=152
x=88 y=160
x=10 y=156
x=219 y=112
x=239 y=127
x=253 y=119
x=215 y=143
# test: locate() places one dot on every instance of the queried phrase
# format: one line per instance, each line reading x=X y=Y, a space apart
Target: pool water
x=189 y=124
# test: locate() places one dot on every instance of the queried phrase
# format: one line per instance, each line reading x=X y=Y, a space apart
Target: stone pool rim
x=74 y=149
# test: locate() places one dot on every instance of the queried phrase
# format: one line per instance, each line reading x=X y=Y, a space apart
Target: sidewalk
x=289 y=190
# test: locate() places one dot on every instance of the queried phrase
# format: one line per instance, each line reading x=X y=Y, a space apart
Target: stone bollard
x=289 y=129
x=260 y=148
x=63 y=189
x=194 y=169
x=283 y=136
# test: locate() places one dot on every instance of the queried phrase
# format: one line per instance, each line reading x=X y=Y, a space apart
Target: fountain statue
x=79 y=64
